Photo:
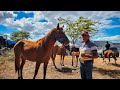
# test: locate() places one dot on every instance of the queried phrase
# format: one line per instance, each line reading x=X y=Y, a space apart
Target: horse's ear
x=58 y=26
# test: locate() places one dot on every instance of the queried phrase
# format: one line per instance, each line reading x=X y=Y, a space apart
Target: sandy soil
x=102 y=70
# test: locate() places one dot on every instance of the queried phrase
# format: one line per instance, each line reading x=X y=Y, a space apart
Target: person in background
x=107 y=47
x=88 y=51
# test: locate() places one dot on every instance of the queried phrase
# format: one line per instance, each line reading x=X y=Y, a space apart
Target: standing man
x=88 y=51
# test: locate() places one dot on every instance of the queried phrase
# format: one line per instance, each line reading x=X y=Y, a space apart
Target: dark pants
x=86 y=69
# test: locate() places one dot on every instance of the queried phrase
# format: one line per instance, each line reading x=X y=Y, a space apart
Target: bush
x=7 y=56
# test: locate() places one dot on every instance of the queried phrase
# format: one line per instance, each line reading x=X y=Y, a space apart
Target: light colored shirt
x=86 y=49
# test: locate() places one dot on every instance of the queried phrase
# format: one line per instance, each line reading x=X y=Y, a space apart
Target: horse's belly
x=36 y=55
x=30 y=58
x=38 y=58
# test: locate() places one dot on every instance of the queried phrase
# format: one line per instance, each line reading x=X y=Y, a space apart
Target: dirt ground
x=102 y=70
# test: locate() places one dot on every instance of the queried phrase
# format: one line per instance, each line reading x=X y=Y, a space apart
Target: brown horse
x=108 y=54
x=75 y=54
x=59 y=50
x=38 y=51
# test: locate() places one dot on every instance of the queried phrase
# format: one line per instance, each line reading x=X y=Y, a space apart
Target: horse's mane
x=46 y=37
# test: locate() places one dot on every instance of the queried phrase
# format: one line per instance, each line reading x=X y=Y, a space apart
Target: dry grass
x=101 y=70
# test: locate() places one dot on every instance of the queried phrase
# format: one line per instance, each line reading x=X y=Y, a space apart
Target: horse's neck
x=48 y=41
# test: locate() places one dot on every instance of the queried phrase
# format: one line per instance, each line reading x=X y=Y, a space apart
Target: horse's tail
x=17 y=63
x=17 y=51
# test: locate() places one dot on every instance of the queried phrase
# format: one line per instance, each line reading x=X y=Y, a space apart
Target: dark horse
x=108 y=54
x=59 y=50
x=38 y=51
x=75 y=53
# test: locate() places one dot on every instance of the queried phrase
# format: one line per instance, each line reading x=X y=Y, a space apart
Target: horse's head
x=60 y=36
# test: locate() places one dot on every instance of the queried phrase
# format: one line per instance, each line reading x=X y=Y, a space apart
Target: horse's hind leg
x=36 y=69
x=53 y=59
x=76 y=61
x=21 y=67
x=54 y=63
x=17 y=66
x=114 y=57
x=45 y=68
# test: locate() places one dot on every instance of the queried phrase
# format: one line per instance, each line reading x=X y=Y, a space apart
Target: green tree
x=16 y=36
x=74 y=28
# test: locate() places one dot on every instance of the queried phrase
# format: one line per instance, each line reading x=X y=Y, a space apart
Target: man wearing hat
x=88 y=51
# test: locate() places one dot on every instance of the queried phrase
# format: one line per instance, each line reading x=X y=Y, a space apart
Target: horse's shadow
x=66 y=69
x=117 y=65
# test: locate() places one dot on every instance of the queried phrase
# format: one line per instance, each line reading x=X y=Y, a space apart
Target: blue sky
x=21 y=15
x=38 y=23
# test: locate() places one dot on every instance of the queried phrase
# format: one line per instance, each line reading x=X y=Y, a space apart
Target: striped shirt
x=86 y=49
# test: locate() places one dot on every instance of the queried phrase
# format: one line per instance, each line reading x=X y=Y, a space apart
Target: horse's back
x=59 y=50
x=23 y=45
x=108 y=52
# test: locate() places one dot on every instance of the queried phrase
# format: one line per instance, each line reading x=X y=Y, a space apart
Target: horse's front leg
x=36 y=69
x=45 y=69
x=63 y=59
x=76 y=61
x=109 y=58
x=103 y=57
x=115 y=58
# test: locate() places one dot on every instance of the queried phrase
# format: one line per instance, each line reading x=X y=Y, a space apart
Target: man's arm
x=93 y=55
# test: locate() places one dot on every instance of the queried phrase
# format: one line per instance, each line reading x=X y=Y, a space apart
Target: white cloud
x=110 y=38
x=35 y=27
x=37 y=16
x=6 y=15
